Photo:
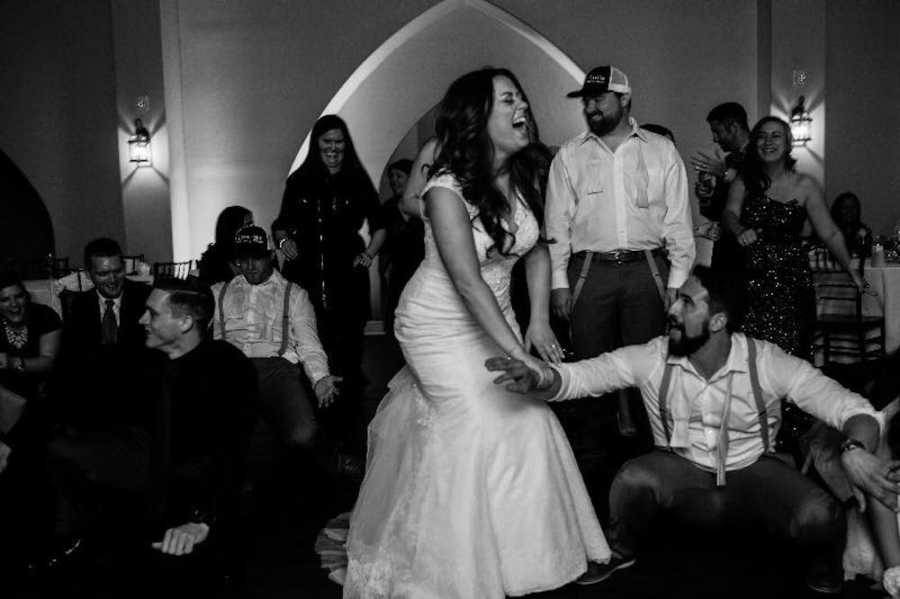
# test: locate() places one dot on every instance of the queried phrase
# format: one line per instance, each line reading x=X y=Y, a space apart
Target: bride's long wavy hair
x=467 y=152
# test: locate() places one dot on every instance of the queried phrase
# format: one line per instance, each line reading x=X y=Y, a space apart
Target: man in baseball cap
x=618 y=210
x=272 y=321
x=601 y=80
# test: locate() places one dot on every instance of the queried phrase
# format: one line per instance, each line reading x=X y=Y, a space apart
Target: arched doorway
x=407 y=75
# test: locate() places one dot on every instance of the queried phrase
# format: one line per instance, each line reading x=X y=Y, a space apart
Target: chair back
x=835 y=290
x=131 y=263
x=172 y=270
x=843 y=330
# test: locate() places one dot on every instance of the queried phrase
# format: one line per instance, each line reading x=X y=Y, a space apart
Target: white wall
x=256 y=75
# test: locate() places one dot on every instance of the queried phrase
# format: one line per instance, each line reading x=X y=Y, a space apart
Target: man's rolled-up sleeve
x=306 y=337
x=625 y=367
x=812 y=391
x=558 y=214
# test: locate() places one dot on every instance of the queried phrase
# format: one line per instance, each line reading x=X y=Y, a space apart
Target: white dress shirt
x=635 y=198
x=253 y=323
x=700 y=402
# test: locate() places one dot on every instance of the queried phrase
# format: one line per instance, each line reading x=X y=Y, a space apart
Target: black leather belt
x=622 y=256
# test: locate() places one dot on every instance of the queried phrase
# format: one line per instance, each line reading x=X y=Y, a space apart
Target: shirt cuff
x=315 y=372
x=678 y=277
x=563 y=382
x=560 y=280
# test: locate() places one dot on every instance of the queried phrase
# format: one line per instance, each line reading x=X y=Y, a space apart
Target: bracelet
x=281 y=243
x=850 y=444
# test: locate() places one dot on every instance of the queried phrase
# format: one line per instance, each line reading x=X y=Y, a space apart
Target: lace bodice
x=496 y=268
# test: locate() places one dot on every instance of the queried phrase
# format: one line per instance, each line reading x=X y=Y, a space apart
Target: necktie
x=108 y=326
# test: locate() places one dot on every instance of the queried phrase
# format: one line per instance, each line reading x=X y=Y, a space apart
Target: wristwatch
x=850 y=444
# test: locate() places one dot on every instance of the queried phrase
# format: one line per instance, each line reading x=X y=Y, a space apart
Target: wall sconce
x=139 y=145
x=801 y=123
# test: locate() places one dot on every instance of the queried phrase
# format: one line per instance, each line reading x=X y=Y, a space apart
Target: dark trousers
x=619 y=305
x=98 y=477
x=342 y=335
x=769 y=496
x=284 y=397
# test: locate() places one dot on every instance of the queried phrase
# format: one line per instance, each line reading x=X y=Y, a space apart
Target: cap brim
x=597 y=91
x=251 y=252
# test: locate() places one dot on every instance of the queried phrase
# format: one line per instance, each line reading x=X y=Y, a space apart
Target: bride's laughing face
x=508 y=123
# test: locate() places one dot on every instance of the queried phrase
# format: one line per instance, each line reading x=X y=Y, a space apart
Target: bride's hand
x=539 y=335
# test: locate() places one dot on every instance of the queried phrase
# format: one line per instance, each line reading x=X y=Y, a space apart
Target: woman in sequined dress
x=767 y=207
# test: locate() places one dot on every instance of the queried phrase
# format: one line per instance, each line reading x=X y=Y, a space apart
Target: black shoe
x=597 y=572
x=824 y=580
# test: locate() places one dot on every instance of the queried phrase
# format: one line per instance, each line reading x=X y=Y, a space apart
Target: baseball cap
x=600 y=80
x=251 y=241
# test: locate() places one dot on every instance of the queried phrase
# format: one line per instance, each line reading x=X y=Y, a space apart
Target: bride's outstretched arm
x=456 y=246
x=539 y=333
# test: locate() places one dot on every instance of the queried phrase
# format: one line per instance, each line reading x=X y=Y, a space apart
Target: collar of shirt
x=274 y=279
x=736 y=362
x=636 y=131
x=117 y=304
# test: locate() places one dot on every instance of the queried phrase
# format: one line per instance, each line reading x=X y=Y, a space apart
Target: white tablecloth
x=885 y=283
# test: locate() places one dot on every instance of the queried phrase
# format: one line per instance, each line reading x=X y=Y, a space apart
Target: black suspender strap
x=222 y=307
x=582 y=275
x=761 y=413
x=663 y=401
x=285 y=319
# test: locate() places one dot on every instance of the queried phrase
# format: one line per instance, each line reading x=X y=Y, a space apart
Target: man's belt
x=622 y=256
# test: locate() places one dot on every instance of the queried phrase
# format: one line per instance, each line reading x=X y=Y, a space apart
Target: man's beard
x=686 y=345
x=605 y=124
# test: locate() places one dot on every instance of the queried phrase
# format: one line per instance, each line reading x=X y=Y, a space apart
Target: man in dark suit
x=101 y=334
x=102 y=403
x=107 y=314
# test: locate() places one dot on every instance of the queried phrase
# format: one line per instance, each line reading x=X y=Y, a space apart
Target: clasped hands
x=522 y=374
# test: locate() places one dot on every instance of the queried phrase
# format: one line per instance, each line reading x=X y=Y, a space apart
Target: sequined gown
x=780 y=297
x=470 y=491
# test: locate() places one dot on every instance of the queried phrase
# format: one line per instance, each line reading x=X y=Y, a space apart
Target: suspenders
x=761 y=412
x=285 y=314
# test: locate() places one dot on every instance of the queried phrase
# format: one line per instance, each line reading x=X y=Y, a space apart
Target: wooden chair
x=841 y=327
x=131 y=262
x=172 y=270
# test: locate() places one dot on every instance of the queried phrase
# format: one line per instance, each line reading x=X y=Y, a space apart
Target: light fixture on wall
x=801 y=123
x=139 y=145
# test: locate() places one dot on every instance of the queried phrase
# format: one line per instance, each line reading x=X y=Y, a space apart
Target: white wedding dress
x=470 y=491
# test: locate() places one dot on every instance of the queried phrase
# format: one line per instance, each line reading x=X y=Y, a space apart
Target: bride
x=471 y=491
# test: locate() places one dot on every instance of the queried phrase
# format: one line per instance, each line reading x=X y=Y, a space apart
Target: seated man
x=178 y=487
x=101 y=334
x=203 y=418
x=101 y=401
x=272 y=321
x=713 y=400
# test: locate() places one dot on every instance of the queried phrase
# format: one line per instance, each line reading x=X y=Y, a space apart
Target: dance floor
x=288 y=511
